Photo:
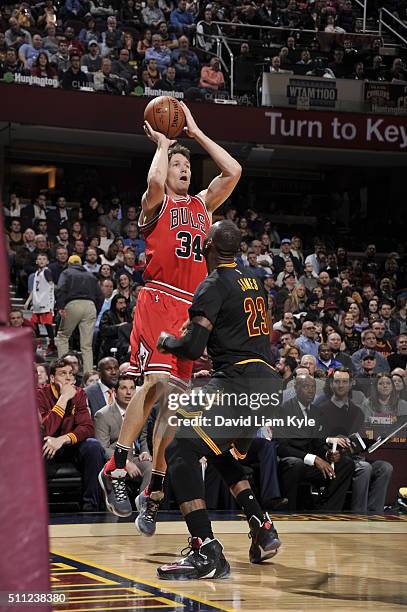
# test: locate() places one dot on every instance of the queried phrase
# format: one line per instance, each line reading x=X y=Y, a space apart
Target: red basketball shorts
x=156 y=312
x=43 y=318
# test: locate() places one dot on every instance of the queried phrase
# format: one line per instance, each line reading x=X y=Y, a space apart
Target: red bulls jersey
x=174 y=246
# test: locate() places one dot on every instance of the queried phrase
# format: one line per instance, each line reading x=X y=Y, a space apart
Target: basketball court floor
x=339 y=562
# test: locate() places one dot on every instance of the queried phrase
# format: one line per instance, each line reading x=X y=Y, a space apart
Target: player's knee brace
x=184 y=470
x=230 y=469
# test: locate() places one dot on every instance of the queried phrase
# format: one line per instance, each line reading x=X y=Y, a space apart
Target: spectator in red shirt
x=211 y=76
x=68 y=431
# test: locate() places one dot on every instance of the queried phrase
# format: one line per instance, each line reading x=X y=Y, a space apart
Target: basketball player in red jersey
x=174 y=225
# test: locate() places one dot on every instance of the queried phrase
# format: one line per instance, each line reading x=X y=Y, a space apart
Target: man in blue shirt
x=306 y=342
x=182 y=19
x=159 y=52
x=28 y=53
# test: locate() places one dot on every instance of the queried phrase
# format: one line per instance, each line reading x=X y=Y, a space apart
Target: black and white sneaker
x=265 y=540
x=114 y=489
x=148 y=509
x=203 y=560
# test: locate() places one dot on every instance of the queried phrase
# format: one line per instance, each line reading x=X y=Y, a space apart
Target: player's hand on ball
x=156 y=137
x=160 y=342
x=191 y=128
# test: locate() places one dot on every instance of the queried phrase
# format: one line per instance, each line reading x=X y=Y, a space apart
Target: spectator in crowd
x=60 y=264
x=74 y=44
x=104 y=79
x=28 y=53
x=305 y=458
x=16 y=36
x=185 y=50
x=369 y=343
x=326 y=361
x=399 y=359
x=35 y=212
x=285 y=367
x=43 y=300
x=90 y=378
x=167 y=81
x=152 y=15
x=366 y=375
x=334 y=342
x=285 y=255
x=212 y=78
x=75 y=360
x=42 y=371
x=67 y=431
x=108 y=421
x=306 y=342
x=117 y=316
x=92 y=61
x=91 y=261
x=112 y=32
x=74 y=77
x=207 y=31
x=159 y=52
x=123 y=69
x=340 y=418
x=144 y=43
x=16 y=319
x=41 y=67
x=101 y=393
x=384 y=400
x=50 y=41
x=182 y=19
x=383 y=343
x=397 y=73
x=12 y=64
x=101 y=8
x=61 y=58
x=78 y=298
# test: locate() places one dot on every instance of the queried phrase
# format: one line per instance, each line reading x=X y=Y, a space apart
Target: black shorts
x=228 y=411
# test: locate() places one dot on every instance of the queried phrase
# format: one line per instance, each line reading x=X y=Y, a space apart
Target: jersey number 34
x=189 y=246
x=255 y=308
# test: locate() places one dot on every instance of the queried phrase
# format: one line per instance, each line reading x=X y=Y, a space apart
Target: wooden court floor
x=322 y=565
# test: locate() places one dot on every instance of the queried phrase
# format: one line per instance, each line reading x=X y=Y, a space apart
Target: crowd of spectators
x=330 y=314
x=124 y=46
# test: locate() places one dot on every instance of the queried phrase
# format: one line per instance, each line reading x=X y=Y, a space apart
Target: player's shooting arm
x=192 y=344
x=222 y=185
x=157 y=174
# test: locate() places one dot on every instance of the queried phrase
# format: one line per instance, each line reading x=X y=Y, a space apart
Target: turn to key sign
x=354 y=131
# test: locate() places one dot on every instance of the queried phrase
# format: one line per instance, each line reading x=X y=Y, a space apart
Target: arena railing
x=224 y=41
x=385 y=14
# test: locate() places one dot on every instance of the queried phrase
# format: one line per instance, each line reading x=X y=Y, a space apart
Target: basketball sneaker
x=265 y=541
x=203 y=560
x=148 y=508
x=114 y=489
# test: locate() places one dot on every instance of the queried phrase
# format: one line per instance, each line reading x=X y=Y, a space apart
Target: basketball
x=165 y=115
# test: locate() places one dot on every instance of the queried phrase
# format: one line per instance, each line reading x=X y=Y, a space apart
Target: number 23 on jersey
x=255 y=309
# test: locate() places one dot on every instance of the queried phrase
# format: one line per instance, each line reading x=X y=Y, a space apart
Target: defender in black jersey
x=229 y=316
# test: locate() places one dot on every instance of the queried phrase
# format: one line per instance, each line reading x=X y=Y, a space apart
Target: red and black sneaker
x=203 y=560
x=265 y=540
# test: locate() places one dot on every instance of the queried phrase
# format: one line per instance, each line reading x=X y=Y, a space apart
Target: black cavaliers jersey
x=235 y=303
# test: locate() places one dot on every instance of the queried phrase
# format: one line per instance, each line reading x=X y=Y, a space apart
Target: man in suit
x=305 y=458
x=102 y=393
x=108 y=421
x=342 y=417
x=60 y=217
x=35 y=212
